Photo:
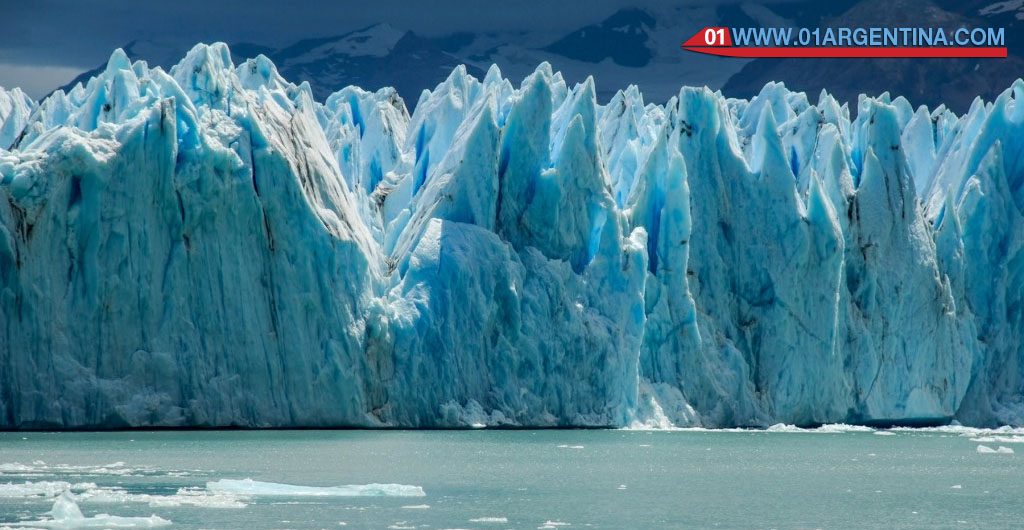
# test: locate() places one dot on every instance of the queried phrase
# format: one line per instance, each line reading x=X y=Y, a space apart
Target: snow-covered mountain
x=213 y=246
x=638 y=46
x=952 y=82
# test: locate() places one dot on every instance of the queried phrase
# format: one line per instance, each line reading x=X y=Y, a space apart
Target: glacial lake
x=556 y=480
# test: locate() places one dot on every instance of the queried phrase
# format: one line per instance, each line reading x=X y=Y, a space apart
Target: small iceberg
x=249 y=486
x=65 y=514
x=1001 y=450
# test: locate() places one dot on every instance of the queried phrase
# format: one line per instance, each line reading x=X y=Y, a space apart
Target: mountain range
x=641 y=46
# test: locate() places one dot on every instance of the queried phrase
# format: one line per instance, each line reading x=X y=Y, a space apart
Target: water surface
x=523 y=479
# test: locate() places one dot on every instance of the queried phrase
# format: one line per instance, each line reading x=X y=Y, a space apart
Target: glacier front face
x=210 y=246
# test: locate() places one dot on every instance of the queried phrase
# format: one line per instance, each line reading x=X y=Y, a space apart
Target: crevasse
x=210 y=246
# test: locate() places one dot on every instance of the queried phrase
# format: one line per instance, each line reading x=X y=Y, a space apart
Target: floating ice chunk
x=552 y=525
x=999 y=439
x=39 y=467
x=567 y=446
x=416 y=507
x=984 y=449
x=40 y=489
x=90 y=492
x=956 y=487
x=830 y=428
x=1001 y=450
x=249 y=486
x=489 y=520
x=842 y=428
x=196 y=497
x=65 y=514
x=961 y=430
x=884 y=433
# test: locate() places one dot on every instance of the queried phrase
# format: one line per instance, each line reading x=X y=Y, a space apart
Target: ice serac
x=199 y=263
x=15 y=108
x=210 y=246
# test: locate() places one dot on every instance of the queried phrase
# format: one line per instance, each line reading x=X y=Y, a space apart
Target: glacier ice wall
x=210 y=246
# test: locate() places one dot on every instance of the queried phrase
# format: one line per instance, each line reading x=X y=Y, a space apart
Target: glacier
x=210 y=246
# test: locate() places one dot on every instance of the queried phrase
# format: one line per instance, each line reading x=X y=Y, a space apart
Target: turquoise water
x=531 y=479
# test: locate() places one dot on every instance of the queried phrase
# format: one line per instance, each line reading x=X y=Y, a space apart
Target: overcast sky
x=45 y=43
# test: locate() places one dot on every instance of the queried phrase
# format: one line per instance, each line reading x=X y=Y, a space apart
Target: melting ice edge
x=210 y=246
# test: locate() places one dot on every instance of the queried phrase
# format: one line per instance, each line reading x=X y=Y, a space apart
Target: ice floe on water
x=40 y=468
x=496 y=520
x=254 y=487
x=962 y=430
x=195 y=497
x=92 y=493
x=776 y=428
x=1001 y=450
x=827 y=428
x=1005 y=434
x=567 y=446
x=417 y=507
x=999 y=439
x=43 y=488
x=66 y=514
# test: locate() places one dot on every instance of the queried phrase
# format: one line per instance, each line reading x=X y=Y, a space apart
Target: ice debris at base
x=251 y=487
x=210 y=246
x=66 y=515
